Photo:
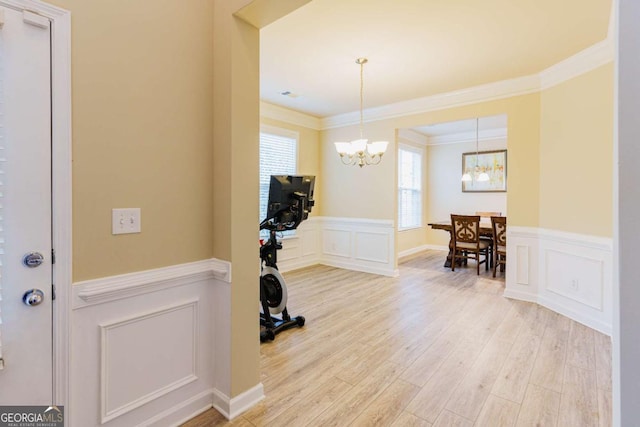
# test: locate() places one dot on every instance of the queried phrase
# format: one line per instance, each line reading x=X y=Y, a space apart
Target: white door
x=25 y=165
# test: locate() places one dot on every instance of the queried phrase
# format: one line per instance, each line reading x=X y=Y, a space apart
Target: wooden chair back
x=499 y=225
x=465 y=228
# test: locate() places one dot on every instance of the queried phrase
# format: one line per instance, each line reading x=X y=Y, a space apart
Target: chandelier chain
x=361 y=99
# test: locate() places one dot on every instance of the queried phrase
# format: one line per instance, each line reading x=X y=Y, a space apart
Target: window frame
x=283 y=133
x=421 y=152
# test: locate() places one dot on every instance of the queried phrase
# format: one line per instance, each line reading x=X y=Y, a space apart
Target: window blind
x=409 y=188
x=278 y=156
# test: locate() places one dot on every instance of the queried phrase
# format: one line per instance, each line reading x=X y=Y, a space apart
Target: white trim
x=551 y=304
x=342 y=244
x=457 y=138
x=422 y=248
x=61 y=182
x=99 y=291
x=199 y=403
x=582 y=62
x=279 y=131
x=277 y=112
x=577 y=315
x=314 y=244
x=410 y=147
x=520 y=295
x=413 y=137
x=473 y=95
x=233 y=407
x=584 y=240
x=383 y=223
x=349 y=265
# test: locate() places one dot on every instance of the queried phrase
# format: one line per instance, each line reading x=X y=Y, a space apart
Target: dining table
x=485 y=230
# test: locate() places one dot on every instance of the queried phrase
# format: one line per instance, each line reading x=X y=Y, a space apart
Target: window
x=278 y=156
x=409 y=187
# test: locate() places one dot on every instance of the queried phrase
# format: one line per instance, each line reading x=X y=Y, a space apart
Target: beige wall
x=142 y=132
x=354 y=192
x=371 y=193
x=576 y=154
x=308 y=155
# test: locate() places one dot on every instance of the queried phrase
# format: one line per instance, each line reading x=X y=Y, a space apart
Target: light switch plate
x=125 y=221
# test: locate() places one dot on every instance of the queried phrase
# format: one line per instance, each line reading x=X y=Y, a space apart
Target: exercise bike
x=290 y=201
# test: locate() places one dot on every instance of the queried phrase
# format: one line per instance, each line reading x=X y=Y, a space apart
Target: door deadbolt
x=32 y=259
x=33 y=297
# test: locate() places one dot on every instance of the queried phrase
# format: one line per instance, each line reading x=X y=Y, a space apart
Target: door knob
x=33 y=297
x=32 y=259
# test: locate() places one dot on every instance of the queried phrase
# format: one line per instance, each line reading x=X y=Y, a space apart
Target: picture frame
x=494 y=163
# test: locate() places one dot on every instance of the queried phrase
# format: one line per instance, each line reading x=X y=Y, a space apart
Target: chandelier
x=361 y=152
x=478 y=175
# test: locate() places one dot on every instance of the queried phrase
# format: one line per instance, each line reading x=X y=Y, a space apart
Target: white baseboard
x=182 y=412
x=519 y=295
x=422 y=248
x=364 y=269
x=233 y=407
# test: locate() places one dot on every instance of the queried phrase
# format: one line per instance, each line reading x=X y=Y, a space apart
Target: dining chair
x=499 y=226
x=489 y=240
x=466 y=242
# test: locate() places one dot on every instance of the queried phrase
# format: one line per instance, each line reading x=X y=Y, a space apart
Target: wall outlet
x=125 y=221
x=574 y=284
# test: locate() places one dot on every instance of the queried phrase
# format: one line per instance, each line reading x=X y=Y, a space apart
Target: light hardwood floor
x=429 y=348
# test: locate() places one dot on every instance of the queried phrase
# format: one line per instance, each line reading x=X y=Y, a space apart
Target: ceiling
x=416 y=48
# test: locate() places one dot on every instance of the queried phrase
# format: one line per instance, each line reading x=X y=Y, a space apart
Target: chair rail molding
x=152 y=347
x=97 y=291
x=569 y=273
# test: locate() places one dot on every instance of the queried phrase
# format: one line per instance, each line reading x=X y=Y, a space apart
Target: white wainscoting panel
x=372 y=246
x=336 y=242
x=569 y=273
x=359 y=244
x=575 y=277
x=150 y=348
x=522 y=263
x=302 y=249
x=147 y=356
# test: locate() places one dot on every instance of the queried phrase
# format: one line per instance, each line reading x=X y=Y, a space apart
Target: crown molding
x=276 y=112
x=456 y=138
x=413 y=136
x=582 y=62
x=487 y=92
